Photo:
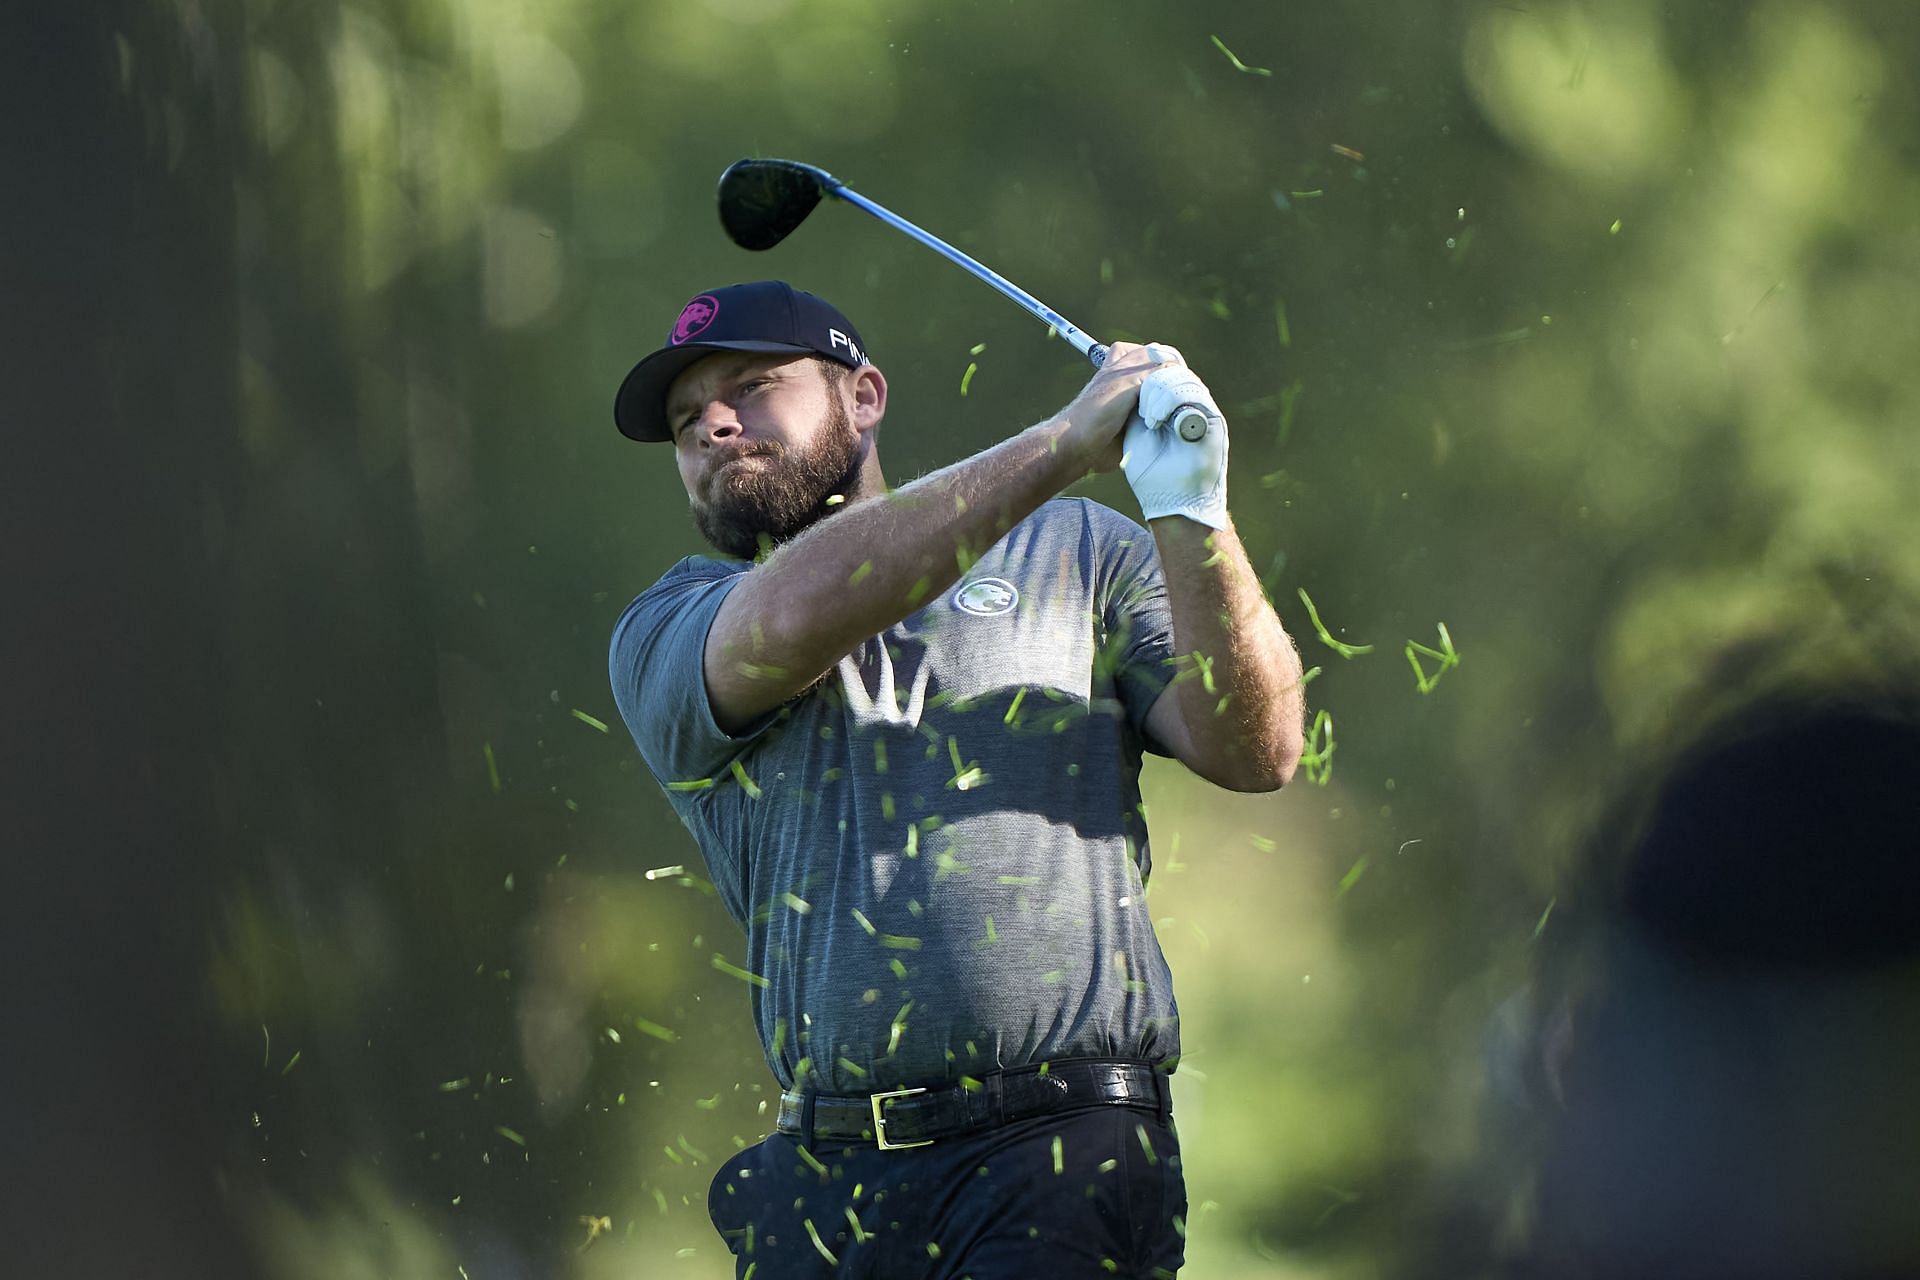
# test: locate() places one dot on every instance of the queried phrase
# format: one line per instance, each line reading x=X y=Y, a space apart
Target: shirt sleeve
x=657 y=664
x=1136 y=619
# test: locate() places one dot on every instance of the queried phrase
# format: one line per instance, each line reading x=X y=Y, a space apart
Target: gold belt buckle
x=878 y=1103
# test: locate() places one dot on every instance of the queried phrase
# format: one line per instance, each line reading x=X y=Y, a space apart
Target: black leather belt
x=915 y=1117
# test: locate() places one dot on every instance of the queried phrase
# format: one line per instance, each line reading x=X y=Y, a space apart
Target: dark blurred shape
x=117 y=330
x=1790 y=841
x=1737 y=1082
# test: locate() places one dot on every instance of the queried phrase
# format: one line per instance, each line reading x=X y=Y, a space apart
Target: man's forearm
x=865 y=568
x=1240 y=697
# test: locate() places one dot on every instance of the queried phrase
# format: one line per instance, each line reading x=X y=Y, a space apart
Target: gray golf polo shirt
x=937 y=852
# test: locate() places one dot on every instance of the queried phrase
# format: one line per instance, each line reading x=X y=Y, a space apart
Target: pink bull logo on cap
x=694 y=318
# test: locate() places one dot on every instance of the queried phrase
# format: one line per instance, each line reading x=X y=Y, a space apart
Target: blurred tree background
x=354 y=939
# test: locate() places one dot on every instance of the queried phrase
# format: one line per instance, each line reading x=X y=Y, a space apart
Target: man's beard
x=764 y=504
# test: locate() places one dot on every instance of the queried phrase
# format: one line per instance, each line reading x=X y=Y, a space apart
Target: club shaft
x=1081 y=342
x=1189 y=420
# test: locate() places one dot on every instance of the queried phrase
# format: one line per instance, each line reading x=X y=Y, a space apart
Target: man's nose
x=717 y=422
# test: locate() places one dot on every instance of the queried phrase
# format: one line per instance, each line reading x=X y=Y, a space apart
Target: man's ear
x=868 y=390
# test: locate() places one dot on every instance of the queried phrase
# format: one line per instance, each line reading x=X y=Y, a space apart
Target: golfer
x=905 y=727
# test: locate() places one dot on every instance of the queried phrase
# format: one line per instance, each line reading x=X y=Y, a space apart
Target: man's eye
x=754 y=384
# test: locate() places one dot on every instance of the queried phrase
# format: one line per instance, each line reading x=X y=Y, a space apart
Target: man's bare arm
x=1236 y=713
x=862 y=569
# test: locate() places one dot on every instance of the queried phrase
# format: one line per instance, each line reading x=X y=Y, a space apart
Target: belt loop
x=806 y=1115
x=997 y=1098
x=1163 y=1094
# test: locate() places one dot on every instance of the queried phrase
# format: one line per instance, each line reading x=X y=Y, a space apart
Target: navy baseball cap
x=767 y=315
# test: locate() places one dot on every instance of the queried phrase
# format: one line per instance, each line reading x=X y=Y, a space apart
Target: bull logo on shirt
x=986 y=597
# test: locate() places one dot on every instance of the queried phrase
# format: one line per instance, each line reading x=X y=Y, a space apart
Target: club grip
x=1191 y=422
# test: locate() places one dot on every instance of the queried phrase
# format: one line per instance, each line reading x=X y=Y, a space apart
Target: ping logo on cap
x=695 y=317
x=835 y=338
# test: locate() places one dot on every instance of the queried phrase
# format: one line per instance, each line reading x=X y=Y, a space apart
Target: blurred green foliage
x=1583 y=329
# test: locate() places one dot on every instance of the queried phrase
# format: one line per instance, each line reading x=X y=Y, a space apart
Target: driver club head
x=762 y=201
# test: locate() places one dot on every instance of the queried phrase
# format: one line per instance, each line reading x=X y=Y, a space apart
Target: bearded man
x=905 y=728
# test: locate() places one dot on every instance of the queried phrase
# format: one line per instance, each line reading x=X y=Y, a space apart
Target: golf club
x=762 y=201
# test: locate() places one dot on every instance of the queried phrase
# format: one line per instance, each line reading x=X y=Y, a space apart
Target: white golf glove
x=1172 y=476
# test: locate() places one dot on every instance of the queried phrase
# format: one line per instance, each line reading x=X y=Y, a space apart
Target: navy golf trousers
x=1082 y=1195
